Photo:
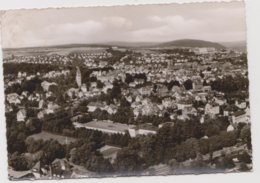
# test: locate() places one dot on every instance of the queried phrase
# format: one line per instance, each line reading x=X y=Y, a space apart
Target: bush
x=244 y=158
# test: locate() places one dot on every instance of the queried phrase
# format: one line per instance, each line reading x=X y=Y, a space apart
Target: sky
x=218 y=22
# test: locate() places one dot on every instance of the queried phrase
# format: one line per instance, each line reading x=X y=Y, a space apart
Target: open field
x=38 y=51
x=47 y=136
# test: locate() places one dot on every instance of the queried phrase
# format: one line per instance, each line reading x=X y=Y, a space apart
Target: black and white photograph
x=133 y=90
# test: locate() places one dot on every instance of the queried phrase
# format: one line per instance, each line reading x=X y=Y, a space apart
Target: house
x=212 y=109
x=206 y=88
x=72 y=92
x=41 y=114
x=220 y=101
x=19 y=175
x=230 y=128
x=197 y=85
x=159 y=170
x=230 y=109
x=92 y=106
x=41 y=104
x=240 y=104
x=109 y=152
x=145 y=90
x=239 y=117
x=51 y=108
x=132 y=84
x=81 y=172
x=60 y=168
x=36 y=170
x=111 y=109
x=83 y=88
x=166 y=124
x=46 y=85
x=149 y=109
x=162 y=90
x=168 y=103
x=184 y=104
x=13 y=98
x=143 y=129
x=21 y=115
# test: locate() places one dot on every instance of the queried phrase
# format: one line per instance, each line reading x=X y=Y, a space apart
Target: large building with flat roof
x=105 y=126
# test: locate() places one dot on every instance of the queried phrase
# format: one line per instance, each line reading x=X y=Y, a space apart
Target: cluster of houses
x=147 y=96
x=61 y=57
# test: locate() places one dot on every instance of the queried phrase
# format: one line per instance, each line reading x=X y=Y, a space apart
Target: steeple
x=78 y=77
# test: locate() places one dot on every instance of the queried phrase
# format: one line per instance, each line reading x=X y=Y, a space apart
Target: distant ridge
x=237 y=45
x=177 y=43
x=191 y=43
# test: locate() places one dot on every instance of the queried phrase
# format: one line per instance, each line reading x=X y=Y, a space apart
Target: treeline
x=230 y=84
x=17 y=132
x=57 y=122
x=131 y=78
x=181 y=142
x=44 y=151
x=15 y=68
x=116 y=55
x=33 y=85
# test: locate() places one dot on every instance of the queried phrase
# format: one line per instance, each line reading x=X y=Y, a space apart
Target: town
x=121 y=111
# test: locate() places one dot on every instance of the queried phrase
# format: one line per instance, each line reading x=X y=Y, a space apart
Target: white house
x=21 y=115
x=240 y=117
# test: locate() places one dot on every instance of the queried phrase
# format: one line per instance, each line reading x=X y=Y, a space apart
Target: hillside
x=238 y=45
x=191 y=43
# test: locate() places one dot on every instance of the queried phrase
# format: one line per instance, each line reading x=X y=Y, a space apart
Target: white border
x=253 y=39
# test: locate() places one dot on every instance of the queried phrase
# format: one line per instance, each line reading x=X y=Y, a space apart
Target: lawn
x=47 y=136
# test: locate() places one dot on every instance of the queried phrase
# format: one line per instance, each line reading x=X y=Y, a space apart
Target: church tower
x=78 y=77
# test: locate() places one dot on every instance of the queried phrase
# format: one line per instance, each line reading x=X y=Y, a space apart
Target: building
x=212 y=109
x=105 y=126
x=13 y=98
x=21 y=115
x=78 y=77
x=46 y=85
x=143 y=129
x=109 y=152
x=240 y=117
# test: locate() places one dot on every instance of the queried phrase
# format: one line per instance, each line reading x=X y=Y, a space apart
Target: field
x=47 y=136
x=41 y=51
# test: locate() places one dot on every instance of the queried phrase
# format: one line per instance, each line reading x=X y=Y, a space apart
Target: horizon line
x=111 y=42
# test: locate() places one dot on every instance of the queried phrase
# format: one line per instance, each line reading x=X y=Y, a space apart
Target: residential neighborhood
x=119 y=91
x=136 y=97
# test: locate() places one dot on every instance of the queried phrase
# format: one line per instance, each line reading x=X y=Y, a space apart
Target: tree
x=204 y=146
x=18 y=162
x=211 y=129
x=32 y=85
x=188 y=84
x=97 y=163
x=34 y=145
x=85 y=118
x=116 y=91
x=100 y=85
x=129 y=78
x=243 y=167
x=52 y=150
x=244 y=158
x=225 y=163
x=128 y=162
x=245 y=135
x=33 y=125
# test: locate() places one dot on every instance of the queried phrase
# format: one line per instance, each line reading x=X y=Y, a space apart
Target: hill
x=238 y=45
x=191 y=43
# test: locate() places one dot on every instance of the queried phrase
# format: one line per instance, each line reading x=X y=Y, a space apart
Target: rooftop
x=105 y=124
